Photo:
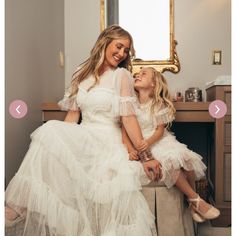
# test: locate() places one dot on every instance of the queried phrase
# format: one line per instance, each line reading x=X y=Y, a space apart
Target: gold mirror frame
x=172 y=65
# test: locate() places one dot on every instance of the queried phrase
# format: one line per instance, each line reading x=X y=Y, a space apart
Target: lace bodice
x=106 y=102
x=96 y=105
x=145 y=120
x=148 y=121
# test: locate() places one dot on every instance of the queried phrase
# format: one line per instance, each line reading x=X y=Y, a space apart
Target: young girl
x=179 y=165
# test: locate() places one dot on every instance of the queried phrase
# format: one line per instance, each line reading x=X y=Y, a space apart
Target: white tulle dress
x=172 y=154
x=77 y=180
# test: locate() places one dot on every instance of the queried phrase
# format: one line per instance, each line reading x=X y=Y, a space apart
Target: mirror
x=151 y=24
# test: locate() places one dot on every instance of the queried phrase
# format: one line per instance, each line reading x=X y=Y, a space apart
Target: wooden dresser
x=185 y=112
x=219 y=163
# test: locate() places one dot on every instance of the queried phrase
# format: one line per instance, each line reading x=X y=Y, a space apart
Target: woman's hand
x=133 y=155
x=153 y=169
x=143 y=145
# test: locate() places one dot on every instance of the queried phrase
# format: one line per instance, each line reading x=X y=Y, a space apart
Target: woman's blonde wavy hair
x=93 y=64
x=161 y=95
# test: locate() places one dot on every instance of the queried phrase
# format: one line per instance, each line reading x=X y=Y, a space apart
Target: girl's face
x=116 y=52
x=143 y=80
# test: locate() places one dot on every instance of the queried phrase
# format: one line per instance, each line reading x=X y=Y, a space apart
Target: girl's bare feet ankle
x=204 y=206
x=10 y=214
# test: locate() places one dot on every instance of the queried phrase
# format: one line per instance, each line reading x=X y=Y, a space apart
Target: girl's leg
x=183 y=185
x=190 y=175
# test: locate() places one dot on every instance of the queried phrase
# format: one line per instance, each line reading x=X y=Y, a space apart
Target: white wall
x=82 y=27
x=200 y=27
x=34 y=37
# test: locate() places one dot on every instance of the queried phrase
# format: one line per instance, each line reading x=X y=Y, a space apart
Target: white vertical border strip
x=2 y=100
x=233 y=121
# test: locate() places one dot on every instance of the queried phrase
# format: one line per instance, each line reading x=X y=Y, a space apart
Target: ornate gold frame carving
x=172 y=65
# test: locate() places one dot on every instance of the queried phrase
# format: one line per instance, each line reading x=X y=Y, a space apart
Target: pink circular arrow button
x=18 y=109
x=217 y=109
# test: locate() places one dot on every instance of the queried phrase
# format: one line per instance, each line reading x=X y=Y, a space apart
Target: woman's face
x=144 y=79
x=116 y=52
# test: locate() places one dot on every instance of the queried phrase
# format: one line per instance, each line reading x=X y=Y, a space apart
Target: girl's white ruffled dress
x=77 y=180
x=172 y=154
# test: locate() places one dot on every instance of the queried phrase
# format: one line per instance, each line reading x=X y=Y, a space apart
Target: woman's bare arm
x=133 y=153
x=72 y=116
x=133 y=130
x=126 y=140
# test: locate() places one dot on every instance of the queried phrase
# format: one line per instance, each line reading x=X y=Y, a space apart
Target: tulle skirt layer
x=175 y=156
x=76 y=180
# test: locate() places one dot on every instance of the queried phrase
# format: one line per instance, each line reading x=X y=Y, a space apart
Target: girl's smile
x=144 y=79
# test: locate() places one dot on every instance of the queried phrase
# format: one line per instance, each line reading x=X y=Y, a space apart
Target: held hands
x=151 y=166
x=133 y=155
x=143 y=145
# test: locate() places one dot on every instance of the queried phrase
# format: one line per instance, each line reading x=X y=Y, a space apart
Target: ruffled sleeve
x=68 y=103
x=125 y=101
x=163 y=117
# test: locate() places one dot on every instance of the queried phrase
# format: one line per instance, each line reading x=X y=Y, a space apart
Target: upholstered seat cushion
x=172 y=215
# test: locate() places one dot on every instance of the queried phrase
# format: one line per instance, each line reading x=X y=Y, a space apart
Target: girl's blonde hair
x=93 y=64
x=161 y=95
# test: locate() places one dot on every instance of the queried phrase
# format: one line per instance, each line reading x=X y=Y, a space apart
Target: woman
x=77 y=179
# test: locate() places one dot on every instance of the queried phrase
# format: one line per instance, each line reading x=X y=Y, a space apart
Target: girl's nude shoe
x=196 y=216
x=212 y=213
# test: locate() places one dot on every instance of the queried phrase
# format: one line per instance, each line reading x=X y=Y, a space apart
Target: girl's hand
x=143 y=146
x=133 y=155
